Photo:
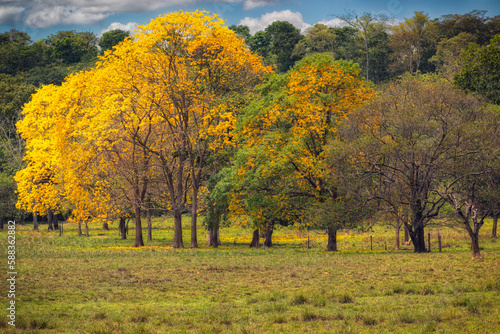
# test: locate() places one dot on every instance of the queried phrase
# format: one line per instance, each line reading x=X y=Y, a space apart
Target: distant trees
x=480 y=69
x=111 y=38
x=367 y=25
x=275 y=44
x=408 y=43
x=318 y=39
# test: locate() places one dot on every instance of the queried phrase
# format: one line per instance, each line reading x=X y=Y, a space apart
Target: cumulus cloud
x=46 y=13
x=42 y=17
x=257 y=24
x=251 y=4
x=10 y=14
x=130 y=27
x=335 y=23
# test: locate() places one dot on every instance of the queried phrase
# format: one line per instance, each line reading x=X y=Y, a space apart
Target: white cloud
x=46 y=13
x=335 y=23
x=42 y=17
x=257 y=24
x=10 y=14
x=251 y=4
x=130 y=27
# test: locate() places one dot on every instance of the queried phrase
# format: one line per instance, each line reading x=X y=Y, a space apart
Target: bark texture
x=494 y=228
x=255 y=238
x=121 y=228
x=332 y=240
x=139 y=242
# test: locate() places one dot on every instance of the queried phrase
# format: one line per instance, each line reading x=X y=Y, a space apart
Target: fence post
x=439 y=242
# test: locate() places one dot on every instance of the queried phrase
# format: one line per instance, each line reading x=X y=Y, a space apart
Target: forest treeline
x=334 y=128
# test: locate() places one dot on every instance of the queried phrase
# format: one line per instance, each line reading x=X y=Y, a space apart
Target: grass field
x=99 y=284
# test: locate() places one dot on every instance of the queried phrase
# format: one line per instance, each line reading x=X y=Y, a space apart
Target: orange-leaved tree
x=287 y=131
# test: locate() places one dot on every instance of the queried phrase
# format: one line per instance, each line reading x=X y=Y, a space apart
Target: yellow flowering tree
x=140 y=124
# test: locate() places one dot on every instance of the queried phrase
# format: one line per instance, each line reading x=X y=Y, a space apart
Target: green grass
x=99 y=284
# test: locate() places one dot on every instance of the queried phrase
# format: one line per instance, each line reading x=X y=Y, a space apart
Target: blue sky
x=41 y=18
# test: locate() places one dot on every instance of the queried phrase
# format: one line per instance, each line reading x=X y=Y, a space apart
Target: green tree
x=318 y=38
x=71 y=47
x=283 y=37
x=481 y=69
x=111 y=38
x=346 y=44
x=475 y=23
x=448 y=52
x=242 y=32
x=380 y=54
x=14 y=93
x=260 y=43
x=15 y=47
x=367 y=25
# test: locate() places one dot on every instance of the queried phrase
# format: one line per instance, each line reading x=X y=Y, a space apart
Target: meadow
x=100 y=284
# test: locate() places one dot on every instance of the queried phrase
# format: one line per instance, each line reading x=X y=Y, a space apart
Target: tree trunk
x=1 y=223
x=138 y=228
x=255 y=238
x=49 y=220
x=194 y=216
x=396 y=239
x=367 y=57
x=35 y=221
x=86 y=229
x=474 y=247
x=332 y=239
x=418 y=238
x=269 y=234
x=494 y=228
x=148 y=215
x=56 y=222
x=407 y=235
x=178 y=229
x=213 y=237
x=80 y=229
x=121 y=228
x=105 y=226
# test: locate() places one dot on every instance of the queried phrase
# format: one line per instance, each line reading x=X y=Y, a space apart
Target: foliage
x=318 y=39
x=448 y=52
x=276 y=44
x=475 y=23
x=367 y=25
x=481 y=69
x=281 y=163
x=111 y=38
x=72 y=47
x=147 y=132
x=408 y=42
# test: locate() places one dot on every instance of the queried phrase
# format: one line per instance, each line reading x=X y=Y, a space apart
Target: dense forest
x=329 y=129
